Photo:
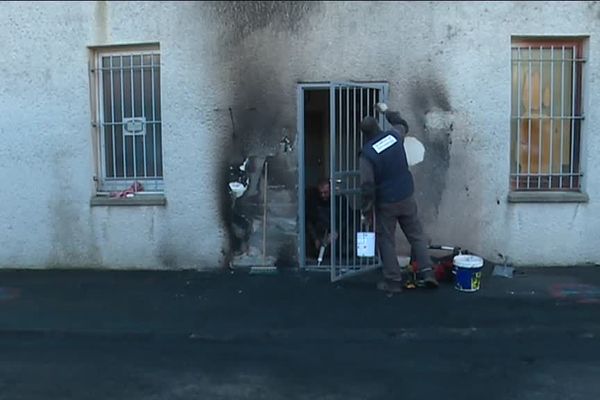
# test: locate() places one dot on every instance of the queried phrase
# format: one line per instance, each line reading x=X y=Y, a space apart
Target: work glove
x=381 y=107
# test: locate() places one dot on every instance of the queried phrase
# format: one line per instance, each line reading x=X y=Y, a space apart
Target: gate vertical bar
x=301 y=177
x=338 y=221
x=573 y=116
x=144 y=116
x=529 y=114
x=385 y=94
x=153 y=118
x=519 y=100
x=346 y=137
x=133 y=138
x=368 y=112
x=332 y=150
x=541 y=123
x=122 y=125
x=374 y=93
x=355 y=185
x=562 y=115
x=362 y=114
x=112 y=117
x=103 y=157
x=551 y=158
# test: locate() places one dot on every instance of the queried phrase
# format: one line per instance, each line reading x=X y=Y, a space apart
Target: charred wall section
x=260 y=140
x=430 y=109
x=447 y=76
x=262 y=51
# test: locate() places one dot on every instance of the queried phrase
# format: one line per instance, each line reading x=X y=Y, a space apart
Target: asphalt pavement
x=291 y=335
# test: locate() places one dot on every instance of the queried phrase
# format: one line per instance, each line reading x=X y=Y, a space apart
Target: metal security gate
x=349 y=104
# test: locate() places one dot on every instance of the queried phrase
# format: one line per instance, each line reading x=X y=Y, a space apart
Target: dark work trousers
x=404 y=213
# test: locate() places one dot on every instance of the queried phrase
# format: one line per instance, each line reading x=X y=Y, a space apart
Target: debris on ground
x=263 y=269
x=503 y=271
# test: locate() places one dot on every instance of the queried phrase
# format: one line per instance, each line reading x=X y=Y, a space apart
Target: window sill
x=547 y=197
x=144 y=200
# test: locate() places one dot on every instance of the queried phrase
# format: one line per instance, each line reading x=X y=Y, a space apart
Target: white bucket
x=468 y=272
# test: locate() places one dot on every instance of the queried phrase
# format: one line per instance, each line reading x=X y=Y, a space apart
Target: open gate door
x=349 y=103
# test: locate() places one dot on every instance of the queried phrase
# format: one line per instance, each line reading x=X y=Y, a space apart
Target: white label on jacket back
x=384 y=143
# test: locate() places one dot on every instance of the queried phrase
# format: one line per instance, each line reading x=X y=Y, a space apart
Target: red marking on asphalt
x=578 y=292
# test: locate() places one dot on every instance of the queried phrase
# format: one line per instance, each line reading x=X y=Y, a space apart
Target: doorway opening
x=329 y=116
x=317 y=172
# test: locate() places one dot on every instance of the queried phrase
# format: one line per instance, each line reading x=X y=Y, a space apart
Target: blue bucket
x=468 y=272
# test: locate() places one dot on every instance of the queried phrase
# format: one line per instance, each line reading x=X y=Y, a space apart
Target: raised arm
x=394 y=118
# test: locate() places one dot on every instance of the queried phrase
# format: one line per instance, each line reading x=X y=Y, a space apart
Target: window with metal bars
x=129 y=119
x=546 y=114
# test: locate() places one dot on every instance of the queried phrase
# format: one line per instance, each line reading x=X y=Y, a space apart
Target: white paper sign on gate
x=365 y=244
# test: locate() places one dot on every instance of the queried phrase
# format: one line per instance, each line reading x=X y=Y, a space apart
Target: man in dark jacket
x=387 y=190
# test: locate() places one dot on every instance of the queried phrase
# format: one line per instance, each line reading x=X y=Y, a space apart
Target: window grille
x=546 y=115
x=129 y=115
